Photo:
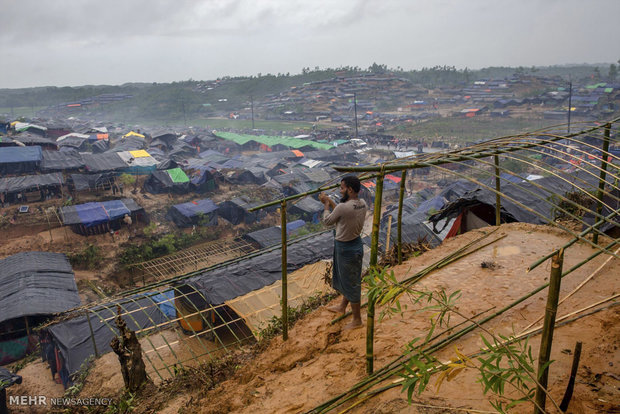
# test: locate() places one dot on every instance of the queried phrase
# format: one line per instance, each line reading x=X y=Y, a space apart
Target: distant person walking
x=348 y=216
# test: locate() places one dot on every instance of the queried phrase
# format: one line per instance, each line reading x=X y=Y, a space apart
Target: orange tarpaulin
x=393 y=178
x=297 y=153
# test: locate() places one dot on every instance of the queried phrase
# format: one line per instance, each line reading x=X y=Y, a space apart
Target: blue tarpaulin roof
x=95 y=213
x=195 y=207
x=20 y=154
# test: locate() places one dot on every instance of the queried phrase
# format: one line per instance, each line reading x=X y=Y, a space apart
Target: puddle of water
x=506 y=251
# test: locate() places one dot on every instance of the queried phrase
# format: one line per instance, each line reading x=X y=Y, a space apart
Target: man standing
x=348 y=216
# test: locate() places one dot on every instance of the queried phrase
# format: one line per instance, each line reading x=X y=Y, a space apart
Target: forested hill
x=190 y=99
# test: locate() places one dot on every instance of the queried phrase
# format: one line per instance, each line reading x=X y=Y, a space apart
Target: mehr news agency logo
x=44 y=401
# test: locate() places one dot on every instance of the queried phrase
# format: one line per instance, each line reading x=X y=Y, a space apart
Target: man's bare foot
x=335 y=309
x=353 y=325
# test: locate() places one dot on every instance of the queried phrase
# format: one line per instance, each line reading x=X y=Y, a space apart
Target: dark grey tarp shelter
x=89 y=182
x=237 y=279
x=236 y=211
x=19 y=160
x=129 y=143
x=265 y=237
x=25 y=183
x=61 y=161
x=108 y=161
x=36 y=283
x=308 y=209
x=536 y=195
x=74 y=338
x=200 y=212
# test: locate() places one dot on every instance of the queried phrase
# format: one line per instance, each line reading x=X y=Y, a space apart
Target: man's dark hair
x=353 y=182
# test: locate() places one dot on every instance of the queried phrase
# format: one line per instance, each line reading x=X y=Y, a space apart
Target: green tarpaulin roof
x=178 y=175
x=271 y=140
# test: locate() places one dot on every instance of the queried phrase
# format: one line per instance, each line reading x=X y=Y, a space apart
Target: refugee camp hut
x=130 y=143
x=235 y=211
x=391 y=187
x=202 y=180
x=180 y=151
x=245 y=294
x=101 y=217
x=293 y=183
x=307 y=209
x=20 y=160
x=30 y=139
x=76 y=338
x=476 y=208
x=91 y=182
x=264 y=238
x=139 y=162
x=200 y=212
x=106 y=162
x=80 y=142
x=35 y=285
x=30 y=188
x=61 y=161
x=32 y=128
x=167 y=181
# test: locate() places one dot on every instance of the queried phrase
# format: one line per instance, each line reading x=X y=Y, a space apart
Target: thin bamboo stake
x=497 y=192
x=601 y=184
x=571 y=381
x=586 y=280
x=547 y=334
x=92 y=335
x=284 y=275
x=570 y=243
x=374 y=249
x=403 y=178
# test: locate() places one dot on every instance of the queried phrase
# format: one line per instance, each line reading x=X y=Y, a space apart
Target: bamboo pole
x=547 y=333
x=92 y=334
x=497 y=190
x=284 y=275
x=374 y=247
x=601 y=183
x=388 y=234
x=401 y=196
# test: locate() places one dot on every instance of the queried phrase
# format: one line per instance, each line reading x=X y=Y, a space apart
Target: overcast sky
x=79 y=42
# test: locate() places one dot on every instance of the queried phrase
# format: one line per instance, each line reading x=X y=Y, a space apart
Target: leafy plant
x=89 y=258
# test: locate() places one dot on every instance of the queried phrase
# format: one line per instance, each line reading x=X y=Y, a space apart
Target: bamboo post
x=284 y=275
x=92 y=334
x=401 y=196
x=388 y=234
x=547 y=332
x=27 y=326
x=601 y=183
x=374 y=247
x=498 y=206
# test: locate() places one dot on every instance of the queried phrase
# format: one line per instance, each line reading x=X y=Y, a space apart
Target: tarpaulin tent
x=236 y=211
x=61 y=161
x=236 y=279
x=99 y=217
x=173 y=180
x=414 y=228
x=25 y=183
x=200 y=212
x=534 y=195
x=89 y=182
x=108 y=161
x=74 y=338
x=307 y=209
x=20 y=160
x=35 y=285
x=138 y=162
x=271 y=236
x=202 y=180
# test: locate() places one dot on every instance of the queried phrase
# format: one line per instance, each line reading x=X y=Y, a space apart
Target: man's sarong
x=347 y=275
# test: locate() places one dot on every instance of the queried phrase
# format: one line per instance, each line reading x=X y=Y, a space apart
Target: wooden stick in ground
x=547 y=334
x=571 y=382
